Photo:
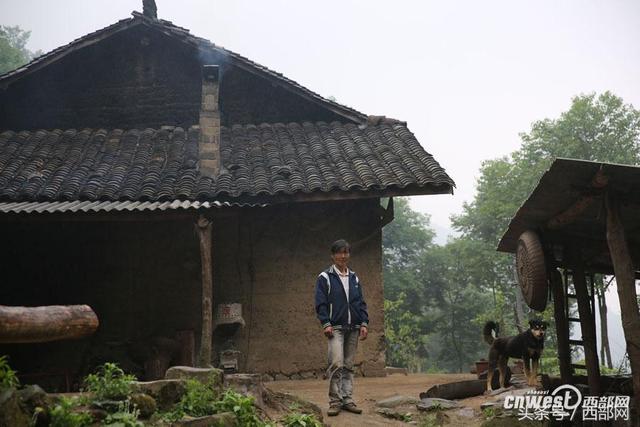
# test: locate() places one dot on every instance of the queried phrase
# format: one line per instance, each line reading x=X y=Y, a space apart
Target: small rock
x=247 y=384
x=144 y=403
x=208 y=376
x=394 y=401
x=280 y=377
x=11 y=412
x=433 y=403
x=165 y=392
x=466 y=413
x=33 y=395
x=267 y=378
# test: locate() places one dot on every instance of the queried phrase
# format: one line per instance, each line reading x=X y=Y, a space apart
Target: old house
x=142 y=167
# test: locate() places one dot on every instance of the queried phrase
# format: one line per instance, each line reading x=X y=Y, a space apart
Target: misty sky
x=467 y=76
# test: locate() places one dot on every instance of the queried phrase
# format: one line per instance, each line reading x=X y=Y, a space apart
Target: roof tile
x=160 y=165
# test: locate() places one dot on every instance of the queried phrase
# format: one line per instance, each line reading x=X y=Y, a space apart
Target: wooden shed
x=582 y=219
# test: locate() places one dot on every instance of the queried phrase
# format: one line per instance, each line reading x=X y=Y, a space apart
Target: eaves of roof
x=78 y=206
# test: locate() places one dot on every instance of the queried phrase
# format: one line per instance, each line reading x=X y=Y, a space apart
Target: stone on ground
x=11 y=411
x=145 y=404
x=209 y=376
x=165 y=392
x=433 y=403
x=466 y=413
x=247 y=384
x=397 y=400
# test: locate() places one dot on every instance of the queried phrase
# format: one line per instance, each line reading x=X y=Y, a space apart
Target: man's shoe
x=333 y=410
x=351 y=407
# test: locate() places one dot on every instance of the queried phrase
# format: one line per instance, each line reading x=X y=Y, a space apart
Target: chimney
x=149 y=9
x=209 y=145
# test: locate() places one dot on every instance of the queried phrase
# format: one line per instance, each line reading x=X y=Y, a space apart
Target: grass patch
x=296 y=419
x=62 y=415
x=127 y=416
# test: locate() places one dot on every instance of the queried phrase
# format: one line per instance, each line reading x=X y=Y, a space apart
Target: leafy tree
x=405 y=242
x=601 y=128
x=438 y=297
x=464 y=299
x=597 y=128
x=403 y=334
x=406 y=238
x=13 y=51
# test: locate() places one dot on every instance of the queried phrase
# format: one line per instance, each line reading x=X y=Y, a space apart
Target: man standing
x=342 y=311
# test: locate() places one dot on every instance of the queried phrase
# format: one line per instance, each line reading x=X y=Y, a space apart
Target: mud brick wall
x=269 y=259
x=141 y=78
x=143 y=281
x=135 y=79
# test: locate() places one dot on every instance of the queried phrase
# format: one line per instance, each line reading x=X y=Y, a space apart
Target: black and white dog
x=527 y=346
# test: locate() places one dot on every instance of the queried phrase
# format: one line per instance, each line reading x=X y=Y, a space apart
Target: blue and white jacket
x=332 y=307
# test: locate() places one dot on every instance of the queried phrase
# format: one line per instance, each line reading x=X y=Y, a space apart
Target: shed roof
x=260 y=163
x=568 y=188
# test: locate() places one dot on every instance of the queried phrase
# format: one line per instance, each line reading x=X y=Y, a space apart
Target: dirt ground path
x=366 y=392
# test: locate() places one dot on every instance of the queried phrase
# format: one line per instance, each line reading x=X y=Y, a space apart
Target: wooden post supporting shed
x=626 y=285
x=588 y=328
x=204 y=230
x=562 y=326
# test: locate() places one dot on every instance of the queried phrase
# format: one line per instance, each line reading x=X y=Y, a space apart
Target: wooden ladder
x=568 y=275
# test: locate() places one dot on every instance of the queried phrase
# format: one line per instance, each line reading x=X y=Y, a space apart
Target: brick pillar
x=209 y=146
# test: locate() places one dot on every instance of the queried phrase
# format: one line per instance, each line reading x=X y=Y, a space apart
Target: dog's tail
x=486 y=331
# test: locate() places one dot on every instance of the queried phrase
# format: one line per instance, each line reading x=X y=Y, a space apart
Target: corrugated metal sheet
x=108 y=206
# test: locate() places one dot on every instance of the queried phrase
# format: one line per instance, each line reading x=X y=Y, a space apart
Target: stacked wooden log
x=46 y=323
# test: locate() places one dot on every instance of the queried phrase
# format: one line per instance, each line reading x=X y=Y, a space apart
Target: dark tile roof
x=182 y=34
x=264 y=160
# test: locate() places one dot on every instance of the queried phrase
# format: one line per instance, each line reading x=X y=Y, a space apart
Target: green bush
x=241 y=406
x=296 y=419
x=198 y=400
x=109 y=383
x=8 y=376
x=201 y=400
x=62 y=415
